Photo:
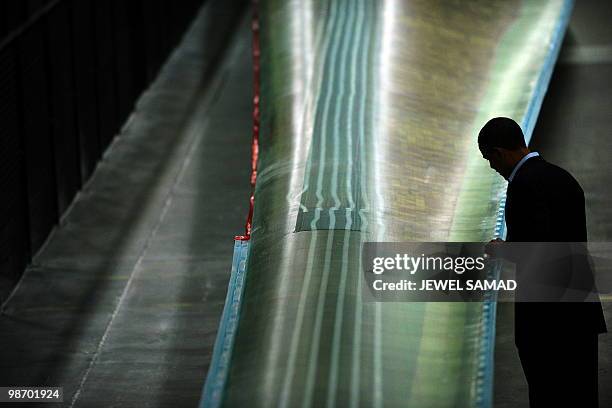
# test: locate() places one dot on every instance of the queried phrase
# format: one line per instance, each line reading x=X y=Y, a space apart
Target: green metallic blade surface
x=370 y=113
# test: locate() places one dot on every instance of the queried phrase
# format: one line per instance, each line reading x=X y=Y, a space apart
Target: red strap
x=255 y=142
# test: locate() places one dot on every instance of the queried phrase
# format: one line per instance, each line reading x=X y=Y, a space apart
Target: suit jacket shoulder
x=545 y=203
x=542 y=176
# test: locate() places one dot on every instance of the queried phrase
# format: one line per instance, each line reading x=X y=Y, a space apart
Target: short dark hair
x=501 y=132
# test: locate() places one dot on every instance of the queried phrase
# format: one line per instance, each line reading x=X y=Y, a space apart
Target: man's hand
x=492 y=248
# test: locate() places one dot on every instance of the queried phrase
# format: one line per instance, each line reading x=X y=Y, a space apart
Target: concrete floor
x=121 y=307
x=573 y=131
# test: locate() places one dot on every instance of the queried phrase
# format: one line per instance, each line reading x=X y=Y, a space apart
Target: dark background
x=70 y=73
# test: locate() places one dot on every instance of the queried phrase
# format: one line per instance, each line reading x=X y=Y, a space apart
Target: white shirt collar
x=520 y=163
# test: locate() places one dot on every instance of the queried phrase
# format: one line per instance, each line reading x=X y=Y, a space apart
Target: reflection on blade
x=370 y=111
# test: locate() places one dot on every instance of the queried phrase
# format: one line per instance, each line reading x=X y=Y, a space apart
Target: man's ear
x=495 y=152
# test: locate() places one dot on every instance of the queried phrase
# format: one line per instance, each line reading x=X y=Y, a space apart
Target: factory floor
x=121 y=307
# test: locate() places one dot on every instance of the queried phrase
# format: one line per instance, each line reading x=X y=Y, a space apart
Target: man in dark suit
x=556 y=341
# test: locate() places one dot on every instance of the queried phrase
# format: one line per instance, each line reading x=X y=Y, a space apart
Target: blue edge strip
x=222 y=353
x=219 y=366
x=485 y=380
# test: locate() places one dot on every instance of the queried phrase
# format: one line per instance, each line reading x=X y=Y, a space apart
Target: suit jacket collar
x=520 y=166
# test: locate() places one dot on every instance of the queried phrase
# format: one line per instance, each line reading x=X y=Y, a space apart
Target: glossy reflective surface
x=370 y=112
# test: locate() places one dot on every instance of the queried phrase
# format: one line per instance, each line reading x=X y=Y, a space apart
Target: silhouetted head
x=502 y=143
